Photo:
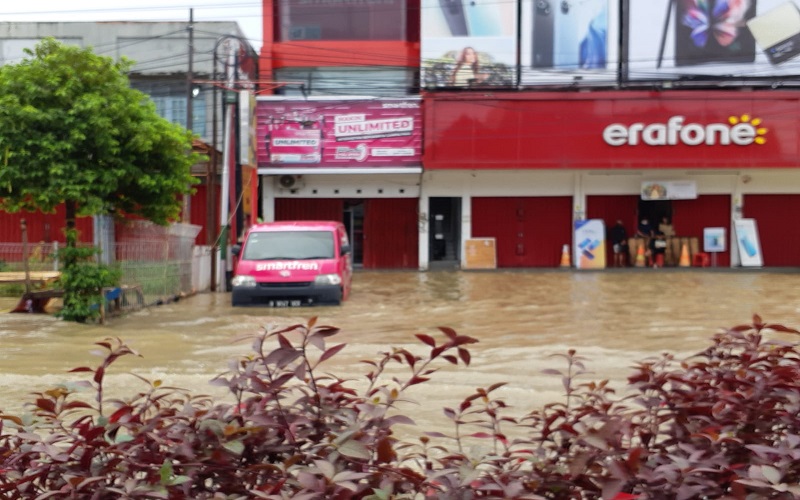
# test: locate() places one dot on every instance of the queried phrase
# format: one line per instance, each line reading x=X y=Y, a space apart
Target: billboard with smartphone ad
x=569 y=41
x=712 y=39
x=468 y=43
x=337 y=133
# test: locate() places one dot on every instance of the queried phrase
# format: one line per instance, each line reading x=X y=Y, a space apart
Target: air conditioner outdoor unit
x=290 y=181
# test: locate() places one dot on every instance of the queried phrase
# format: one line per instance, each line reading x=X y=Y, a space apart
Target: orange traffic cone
x=565 y=261
x=684 y=262
x=640 y=255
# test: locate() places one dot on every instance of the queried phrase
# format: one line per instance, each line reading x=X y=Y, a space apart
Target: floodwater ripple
x=521 y=318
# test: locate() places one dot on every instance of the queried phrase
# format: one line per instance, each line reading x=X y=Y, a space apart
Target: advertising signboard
x=590 y=244
x=625 y=129
x=713 y=239
x=713 y=39
x=568 y=42
x=748 y=243
x=468 y=43
x=669 y=190
x=338 y=133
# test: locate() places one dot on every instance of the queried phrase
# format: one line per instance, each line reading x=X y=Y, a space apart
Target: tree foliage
x=73 y=131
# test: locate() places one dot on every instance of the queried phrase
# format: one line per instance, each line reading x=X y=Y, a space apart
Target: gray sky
x=245 y=12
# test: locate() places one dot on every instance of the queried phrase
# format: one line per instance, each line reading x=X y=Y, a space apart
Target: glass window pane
x=342 y=20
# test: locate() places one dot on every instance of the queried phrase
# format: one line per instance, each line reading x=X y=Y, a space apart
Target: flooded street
x=520 y=319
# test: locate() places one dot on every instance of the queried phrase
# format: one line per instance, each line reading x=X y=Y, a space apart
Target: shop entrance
x=383 y=231
x=654 y=211
x=444 y=244
x=354 y=224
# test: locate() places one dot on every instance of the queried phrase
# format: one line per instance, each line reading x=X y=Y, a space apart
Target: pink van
x=293 y=263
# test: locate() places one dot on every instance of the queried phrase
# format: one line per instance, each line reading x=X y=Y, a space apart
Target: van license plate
x=285 y=303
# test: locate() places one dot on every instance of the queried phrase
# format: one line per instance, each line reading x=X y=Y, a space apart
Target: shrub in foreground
x=721 y=424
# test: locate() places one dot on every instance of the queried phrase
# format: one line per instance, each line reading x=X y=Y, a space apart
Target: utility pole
x=237 y=174
x=187 y=207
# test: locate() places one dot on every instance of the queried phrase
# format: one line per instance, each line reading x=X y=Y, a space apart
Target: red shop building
x=522 y=167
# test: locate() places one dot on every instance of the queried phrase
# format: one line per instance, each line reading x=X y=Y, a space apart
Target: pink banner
x=374 y=133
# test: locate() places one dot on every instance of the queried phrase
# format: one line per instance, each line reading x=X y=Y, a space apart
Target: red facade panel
x=618 y=130
x=391 y=233
x=199 y=213
x=309 y=209
x=43 y=227
x=691 y=217
x=777 y=230
x=529 y=232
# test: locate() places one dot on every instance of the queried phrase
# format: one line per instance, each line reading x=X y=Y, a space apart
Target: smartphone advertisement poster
x=568 y=42
x=748 y=243
x=730 y=39
x=590 y=244
x=369 y=133
x=468 y=43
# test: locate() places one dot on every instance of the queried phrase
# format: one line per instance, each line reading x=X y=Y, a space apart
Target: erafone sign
x=739 y=131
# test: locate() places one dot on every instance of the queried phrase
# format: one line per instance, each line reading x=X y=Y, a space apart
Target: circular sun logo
x=760 y=132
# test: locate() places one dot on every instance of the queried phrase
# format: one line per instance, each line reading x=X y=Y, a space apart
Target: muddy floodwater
x=520 y=318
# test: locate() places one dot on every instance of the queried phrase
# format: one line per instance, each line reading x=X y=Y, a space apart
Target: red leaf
x=417 y=380
x=410 y=358
x=448 y=331
x=781 y=328
x=326 y=331
x=46 y=405
x=284 y=342
x=331 y=352
x=386 y=453
x=81 y=369
x=76 y=404
x=482 y=435
x=427 y=339
x=464 y=355
x=117 y=415
x=98 y=375
x=452 y=359
x=279 y=381
x=312 y=321
x=496 y=386
x=463 y=339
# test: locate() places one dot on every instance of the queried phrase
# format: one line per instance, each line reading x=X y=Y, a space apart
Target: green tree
x=73 y=131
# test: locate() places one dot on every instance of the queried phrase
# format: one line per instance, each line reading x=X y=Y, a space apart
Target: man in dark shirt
x=645 y=229
x=619 y=240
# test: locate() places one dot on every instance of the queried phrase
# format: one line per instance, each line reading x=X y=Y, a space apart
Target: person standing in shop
x=619 y=239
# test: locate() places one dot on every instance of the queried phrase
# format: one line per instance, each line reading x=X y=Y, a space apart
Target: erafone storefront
x=522 y=168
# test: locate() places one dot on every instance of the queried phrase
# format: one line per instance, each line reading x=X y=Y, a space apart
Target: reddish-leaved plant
x=724 y=423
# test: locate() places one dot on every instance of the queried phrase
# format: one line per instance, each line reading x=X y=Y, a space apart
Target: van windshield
x=286 y=245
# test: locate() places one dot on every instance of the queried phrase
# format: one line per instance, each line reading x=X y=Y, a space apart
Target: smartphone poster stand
x=748 y=243
x=590 y=244
x=713 y=242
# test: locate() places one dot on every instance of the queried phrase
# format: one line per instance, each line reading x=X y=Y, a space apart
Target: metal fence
x=41 y=257
x=163 y=261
